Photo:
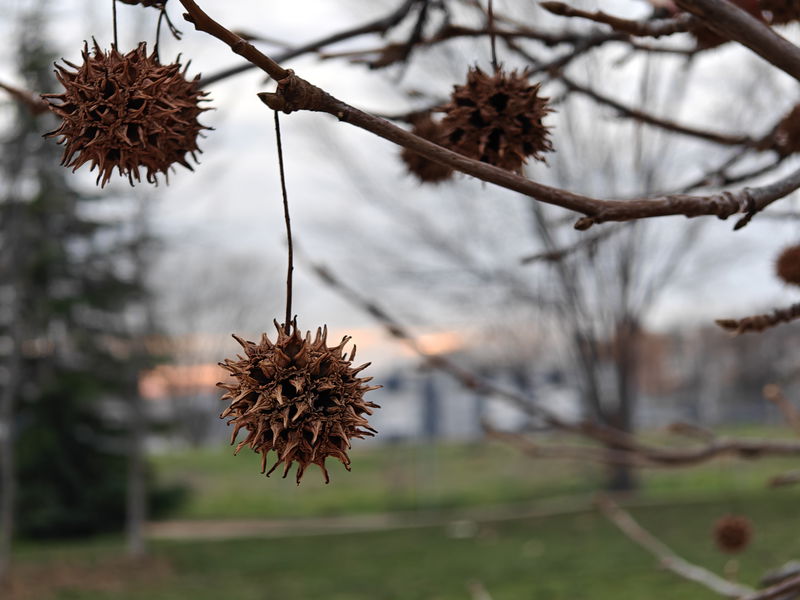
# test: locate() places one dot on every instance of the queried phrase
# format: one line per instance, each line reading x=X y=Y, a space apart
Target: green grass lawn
x=402 y=477
x=571 y=556
x=410 y=477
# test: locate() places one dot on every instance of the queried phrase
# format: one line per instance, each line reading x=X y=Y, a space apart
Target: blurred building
x=699 y=375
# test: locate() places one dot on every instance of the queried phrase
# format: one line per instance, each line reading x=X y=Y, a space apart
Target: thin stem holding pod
x=290 y=270
x=114 y=18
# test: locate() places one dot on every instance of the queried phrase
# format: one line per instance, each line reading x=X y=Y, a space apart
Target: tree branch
x=759 y=323
x=732 y=22
x=639 y=115
x=666 y=557
x=654 y=28
x=628 y=449
x=380 y=25
x=294 y=93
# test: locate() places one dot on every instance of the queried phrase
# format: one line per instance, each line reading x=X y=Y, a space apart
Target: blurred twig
x=586 y=243
x=666 y=557
x=644 y=117
x=31 y=101
x=758 y=323
x=773 y=393
x=627 y=447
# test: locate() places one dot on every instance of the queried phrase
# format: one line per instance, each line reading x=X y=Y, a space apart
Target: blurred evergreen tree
x=71 y=288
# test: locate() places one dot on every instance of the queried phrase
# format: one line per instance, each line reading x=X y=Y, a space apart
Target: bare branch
x=294 y=93
x=759 y=323
x=779 y=590
x=666 y=557
x=639 y=115
x=654 y=28
x=790 y=478
x=692 y=430
x=732 y=22
x=585 y=243
x=773 y=393
x=34 y=104
x=626 y=447
x=380 y=25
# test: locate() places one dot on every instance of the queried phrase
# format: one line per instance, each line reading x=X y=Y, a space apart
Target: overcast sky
x=229 y=211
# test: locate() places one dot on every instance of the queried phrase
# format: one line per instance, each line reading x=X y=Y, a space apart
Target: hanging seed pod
x=127 y=112
x=424 y=169
x=787 y=265
x=497 y=119
x=732 y=533
x=298 y=397
x=781 y=12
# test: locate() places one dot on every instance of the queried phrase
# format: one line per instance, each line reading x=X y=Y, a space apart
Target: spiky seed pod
x=732 y=533
x=298 y=397
x=497 y=119
x=424 y=169
x=786 y=136
x=781 y=12
x=787 y=265
x=127 y=112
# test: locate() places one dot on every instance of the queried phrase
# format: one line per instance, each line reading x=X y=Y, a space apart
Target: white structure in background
x=420 y=404
x=416 y=404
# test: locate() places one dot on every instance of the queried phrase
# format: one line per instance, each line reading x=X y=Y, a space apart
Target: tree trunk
x=137 y=485
x=8 y=481
x=622 y=477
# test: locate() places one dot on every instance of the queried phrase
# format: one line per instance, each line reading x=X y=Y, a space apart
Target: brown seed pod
x=787 y=265
x=786 y=137
x=780 y=12
x=497 y=119
x=424 y=169
x=732 y=533
x=298 y=397
x=127 y=112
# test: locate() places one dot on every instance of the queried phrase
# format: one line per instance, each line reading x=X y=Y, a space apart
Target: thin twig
x=587 y=242
x=733 y=23
x=773 y=393
x=692 y=430
x=114 y=18
x=31 y=101
x=290 y=268
x=380 y=25
x=157 y=47
x=294 y=93
x=492 y=36
x=758 y=323
x=654 y=28
x=784 y=479
x=779 y=590
x=666 y=557
x=628 y=448
x=644 y=117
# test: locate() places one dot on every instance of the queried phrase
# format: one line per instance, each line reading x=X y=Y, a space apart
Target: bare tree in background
x=742 y=185
x=197 y=301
